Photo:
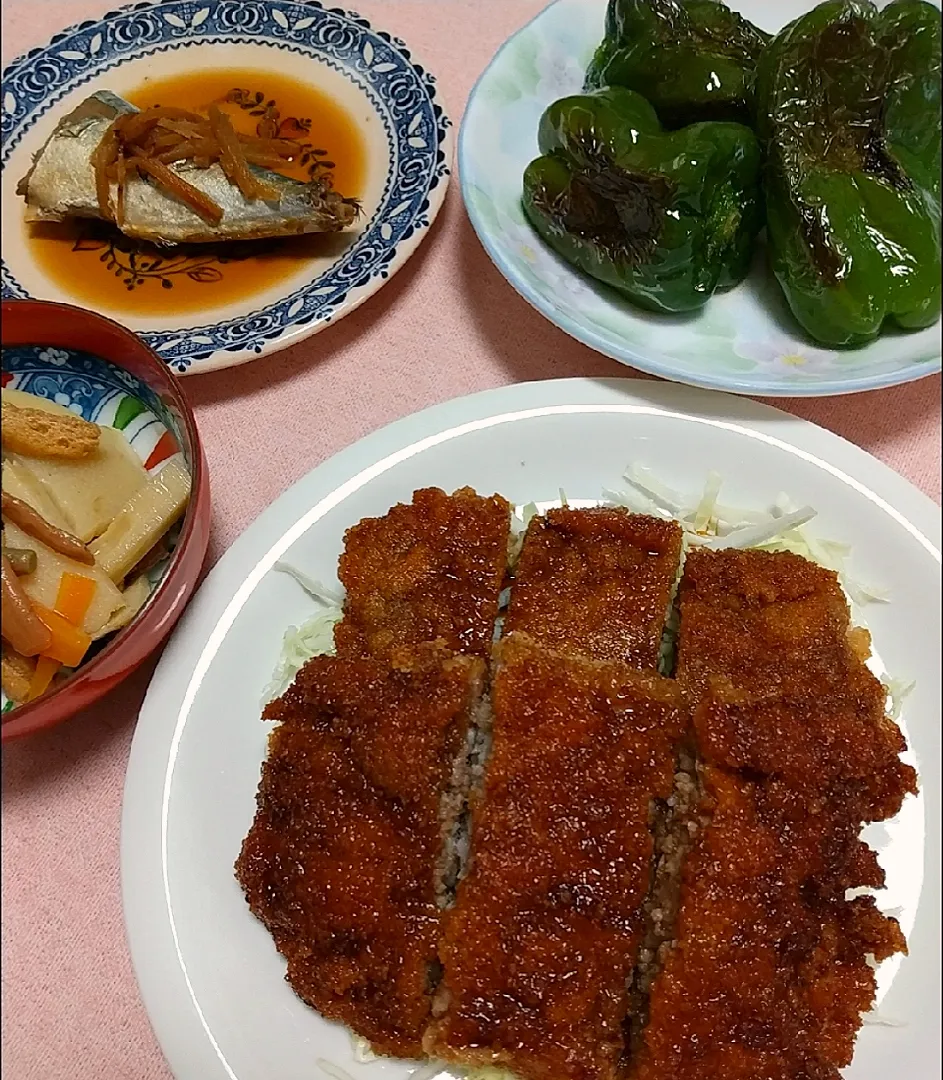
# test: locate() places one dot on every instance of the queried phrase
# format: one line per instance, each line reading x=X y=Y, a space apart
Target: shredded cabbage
x=898 y=690
x=709 y=523
x=314 y=637
x=362 y=1050
x=877 y=1019
x=315 y=589
x=428 y=1072
x=707 y=506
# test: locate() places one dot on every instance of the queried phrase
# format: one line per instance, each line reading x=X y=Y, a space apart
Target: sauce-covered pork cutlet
x=771 y=622
x=343 y=858
x=768 y=974
x=765 y=976
x=540 y=944
x=766 y=644
x=835 y=738
x=429 y=570
x=596 y=582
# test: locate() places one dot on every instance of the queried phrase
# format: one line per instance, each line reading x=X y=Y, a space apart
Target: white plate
x=393 y=102
x=209 y=974
x=745 y=340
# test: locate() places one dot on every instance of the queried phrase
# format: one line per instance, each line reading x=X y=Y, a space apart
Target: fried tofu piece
x=768 y=976
x=538 y=949
x=429 y=570
x=38 y=433
x=342 y=862
x=596 y=582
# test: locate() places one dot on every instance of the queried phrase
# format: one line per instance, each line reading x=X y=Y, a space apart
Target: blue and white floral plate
x=744 y=341
x=407 y=139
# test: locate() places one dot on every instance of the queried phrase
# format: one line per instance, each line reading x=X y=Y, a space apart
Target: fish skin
x=61 y=185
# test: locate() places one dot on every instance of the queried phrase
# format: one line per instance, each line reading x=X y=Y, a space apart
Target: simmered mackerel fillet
x=538 y=949
x=768 y=977
x=596 y=582
x=429 y=570
x=342 y=860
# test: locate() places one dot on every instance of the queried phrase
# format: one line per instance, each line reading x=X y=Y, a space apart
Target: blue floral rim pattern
x=402 y=93
x=99 y=392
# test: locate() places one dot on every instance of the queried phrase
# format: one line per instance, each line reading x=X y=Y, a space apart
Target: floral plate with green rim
x=745 y=341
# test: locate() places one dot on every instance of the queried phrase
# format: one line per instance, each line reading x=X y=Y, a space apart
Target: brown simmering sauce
x=95 y=265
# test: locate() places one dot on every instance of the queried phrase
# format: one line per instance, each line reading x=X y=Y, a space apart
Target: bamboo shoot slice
x=43 y=584
x=135 y=596
x=89 y=492
x=21 y=484
x=24 y=400
x=148 y=514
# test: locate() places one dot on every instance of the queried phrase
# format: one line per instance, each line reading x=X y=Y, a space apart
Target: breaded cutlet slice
x=343 y=859
x=767 y=975
x=596 y=582
x=538 y=949
x=429 y=570
x=766 y=644
x=770 y=622
x=837 y=741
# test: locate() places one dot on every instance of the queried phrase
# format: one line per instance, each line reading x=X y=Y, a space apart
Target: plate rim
x=357 y=292
x=731 y=384
x=183 y=1034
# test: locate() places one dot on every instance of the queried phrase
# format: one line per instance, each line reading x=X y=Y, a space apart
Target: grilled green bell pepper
x=848 y=103
x=664 y=217
x=693 y=59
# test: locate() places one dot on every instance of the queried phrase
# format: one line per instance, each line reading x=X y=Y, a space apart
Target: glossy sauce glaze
x=546 y=927
x=596 y=582
x=340 y=863
x=430 y=570
x=94 y=264
x=770 y=974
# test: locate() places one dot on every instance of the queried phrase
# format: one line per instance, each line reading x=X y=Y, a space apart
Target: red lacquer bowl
x=37 y=322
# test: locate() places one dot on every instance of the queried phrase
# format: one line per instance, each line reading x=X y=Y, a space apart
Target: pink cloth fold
x=446 y=325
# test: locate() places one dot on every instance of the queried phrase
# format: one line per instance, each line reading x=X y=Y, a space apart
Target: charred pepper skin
x=848 y=106
x=693 y=60
x=666 y=218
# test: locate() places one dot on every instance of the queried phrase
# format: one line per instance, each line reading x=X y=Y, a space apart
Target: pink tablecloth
x=446 y=325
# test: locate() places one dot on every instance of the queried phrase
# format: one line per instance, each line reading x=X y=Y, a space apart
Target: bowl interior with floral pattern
x=100 y=372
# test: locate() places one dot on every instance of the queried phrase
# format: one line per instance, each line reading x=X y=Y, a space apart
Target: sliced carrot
x=69 y=643
x=46 y=669
x=76 y=593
